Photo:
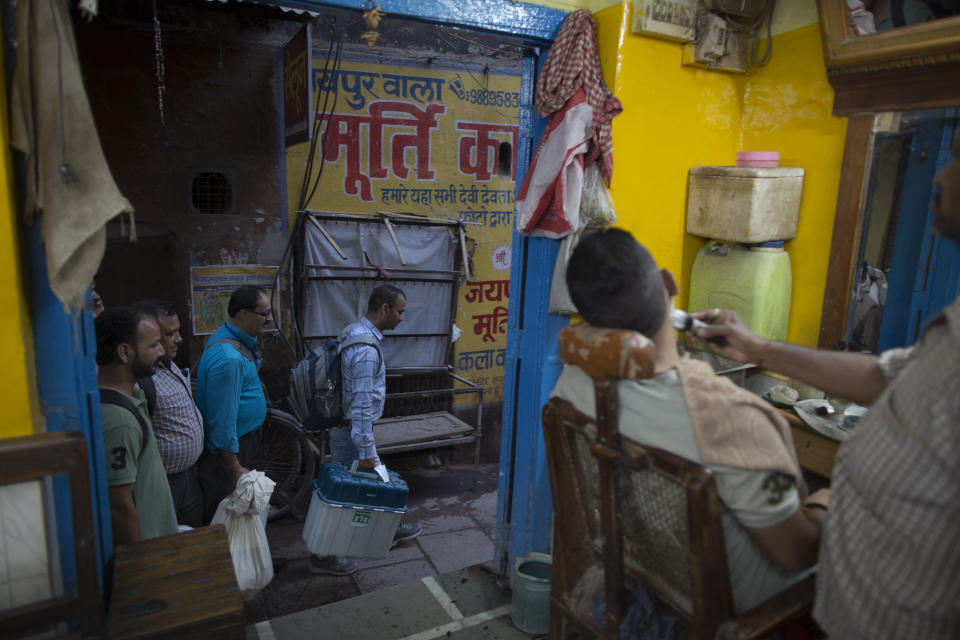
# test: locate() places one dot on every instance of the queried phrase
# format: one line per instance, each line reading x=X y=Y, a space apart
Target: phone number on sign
x=490 y=98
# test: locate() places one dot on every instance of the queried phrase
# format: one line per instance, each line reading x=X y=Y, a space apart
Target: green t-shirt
x=654 y=412
x=122 y=443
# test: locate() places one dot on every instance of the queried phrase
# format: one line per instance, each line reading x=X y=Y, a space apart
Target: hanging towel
x=573 y=64
x=548 y=203
x=52 y=124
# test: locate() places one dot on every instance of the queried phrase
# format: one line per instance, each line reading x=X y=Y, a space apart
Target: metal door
x=925 y=268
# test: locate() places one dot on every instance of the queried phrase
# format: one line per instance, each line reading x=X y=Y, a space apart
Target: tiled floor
x=439 y=585
x=465 y=604
x=456 y=505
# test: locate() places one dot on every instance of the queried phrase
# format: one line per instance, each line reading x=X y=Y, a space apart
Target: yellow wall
x=787 y=109
x=676 y=117
x=16 y=342
x=573 y=5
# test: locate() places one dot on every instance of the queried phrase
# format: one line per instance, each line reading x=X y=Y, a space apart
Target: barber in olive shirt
x=230 y=396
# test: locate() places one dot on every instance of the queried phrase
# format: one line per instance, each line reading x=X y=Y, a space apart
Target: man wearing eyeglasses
x=230 y=396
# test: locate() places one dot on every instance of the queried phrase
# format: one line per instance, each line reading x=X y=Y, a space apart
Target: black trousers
x=187 y=497
x=217 y=481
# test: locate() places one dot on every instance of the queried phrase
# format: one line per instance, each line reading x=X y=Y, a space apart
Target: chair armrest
x=786 y=606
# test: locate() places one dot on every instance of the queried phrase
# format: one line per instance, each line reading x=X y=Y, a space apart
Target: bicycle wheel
x=288 y=460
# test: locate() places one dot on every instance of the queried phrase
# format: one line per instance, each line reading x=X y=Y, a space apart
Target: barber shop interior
x=480 y=319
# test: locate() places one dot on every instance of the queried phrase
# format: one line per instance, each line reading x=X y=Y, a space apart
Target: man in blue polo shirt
x=230 y=396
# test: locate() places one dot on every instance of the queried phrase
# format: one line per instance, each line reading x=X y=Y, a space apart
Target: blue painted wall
x=66 y=347
x=528 y=21
x=524 y=508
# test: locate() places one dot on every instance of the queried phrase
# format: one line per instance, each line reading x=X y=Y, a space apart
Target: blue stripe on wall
x=495 y=16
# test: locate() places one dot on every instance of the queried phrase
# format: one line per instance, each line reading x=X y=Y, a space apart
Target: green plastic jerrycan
x=753 y=281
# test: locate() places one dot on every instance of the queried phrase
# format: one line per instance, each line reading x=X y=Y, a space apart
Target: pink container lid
x=758 y=159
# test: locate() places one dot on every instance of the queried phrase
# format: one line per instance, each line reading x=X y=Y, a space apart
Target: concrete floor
x=402 y=595
x=465 y=604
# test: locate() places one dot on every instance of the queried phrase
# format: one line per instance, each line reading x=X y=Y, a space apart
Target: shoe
x=332 y=565
x=407 y=531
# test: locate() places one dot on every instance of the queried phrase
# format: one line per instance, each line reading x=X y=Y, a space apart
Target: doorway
x=449 y=150
x=907 y=273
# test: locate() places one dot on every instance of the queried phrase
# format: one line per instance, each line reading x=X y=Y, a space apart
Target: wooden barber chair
x=637 y=512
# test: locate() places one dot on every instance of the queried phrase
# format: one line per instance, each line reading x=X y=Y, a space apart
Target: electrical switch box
x=719 y=45
x=669 y=19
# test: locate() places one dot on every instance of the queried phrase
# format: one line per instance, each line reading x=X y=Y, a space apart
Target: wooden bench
x=180 y=586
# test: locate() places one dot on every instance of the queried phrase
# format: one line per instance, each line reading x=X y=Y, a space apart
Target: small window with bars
x=211 y=191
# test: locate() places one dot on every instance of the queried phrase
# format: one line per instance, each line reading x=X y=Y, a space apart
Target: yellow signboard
x=439 y=143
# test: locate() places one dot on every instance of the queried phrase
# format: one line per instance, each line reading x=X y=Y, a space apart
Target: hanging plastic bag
x=244 y=513
x=560 y=301
x=596 y=203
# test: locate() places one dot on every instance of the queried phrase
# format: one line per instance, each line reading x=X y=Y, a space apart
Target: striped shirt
x=176 y=420
x=889 y=556
x=364 y=386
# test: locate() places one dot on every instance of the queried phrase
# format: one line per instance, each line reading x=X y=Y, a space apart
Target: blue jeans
x=342 y=449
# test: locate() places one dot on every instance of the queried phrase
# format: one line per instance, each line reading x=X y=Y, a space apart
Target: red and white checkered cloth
x=573 y=63
x=548 y=203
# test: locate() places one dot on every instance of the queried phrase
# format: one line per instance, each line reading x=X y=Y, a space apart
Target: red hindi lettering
x=479 y=151
x=384 y=113
x=489 y=324
x=343 y=130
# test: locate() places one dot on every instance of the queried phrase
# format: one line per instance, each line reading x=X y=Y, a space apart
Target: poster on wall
x=297 y=112
x=435 y=142
x=211 y=287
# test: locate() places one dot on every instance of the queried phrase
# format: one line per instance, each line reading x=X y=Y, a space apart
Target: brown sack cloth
x=52 y=124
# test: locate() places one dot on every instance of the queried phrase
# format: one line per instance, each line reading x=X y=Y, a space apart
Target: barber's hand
x=741 y=345
x=367 y=463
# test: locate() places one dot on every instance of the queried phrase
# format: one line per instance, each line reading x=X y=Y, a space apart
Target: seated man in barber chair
x=771 y=527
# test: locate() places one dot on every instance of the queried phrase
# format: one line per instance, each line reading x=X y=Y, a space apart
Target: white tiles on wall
x=24 y=562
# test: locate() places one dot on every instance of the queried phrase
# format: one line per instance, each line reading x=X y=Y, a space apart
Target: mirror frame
x=852 y=195
x=910 y=68
x=915 y=67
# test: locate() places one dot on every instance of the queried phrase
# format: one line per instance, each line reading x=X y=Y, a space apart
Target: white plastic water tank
x=744 y=204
